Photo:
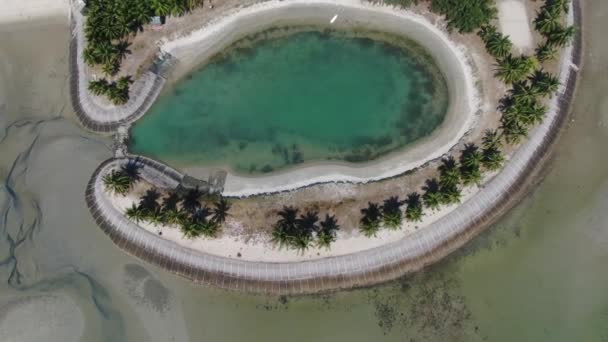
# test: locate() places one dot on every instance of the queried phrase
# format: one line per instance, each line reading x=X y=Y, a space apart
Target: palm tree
x=490 y=139
x=90 y=56
x=391 y=212
x=545 y=52
x=132 y=170
x=492 y=158
x=557 y=5
x=122 y=50
x=191 y=229
x=135 y=213
x=370 y=222
x=561 y=36
x=523 y=93
x=149 y=201
x=546 y=21
x=413 y=212
x=486 y=32
x=512 y=69
x=156 y=216
x=497 y=44
x=450 y=194
x=327 y=233
x=98 y=87
x=161 y=8
x=220 y=211
x=432 y=195
x=141 y=15
x=117 y=182
x=191 y=202
x=306 y=224
x=470 y=161
x=448 y=172
x=533 y=114
x=178 y=8
x=513 y=131
x=285 y=226
x=546 y=83
x=470 y=155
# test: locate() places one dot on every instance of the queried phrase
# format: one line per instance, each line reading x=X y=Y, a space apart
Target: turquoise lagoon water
x=307 y=96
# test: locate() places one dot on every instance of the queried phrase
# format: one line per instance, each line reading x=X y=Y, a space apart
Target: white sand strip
x=451 y=59
x=513 y=19
x=24 y=10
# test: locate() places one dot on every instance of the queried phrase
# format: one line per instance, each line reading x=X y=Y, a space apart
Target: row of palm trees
x=187 y=211
x=116 y=91
x=110 y=24
x=303 y=231
x=465 y=15
x=300 y=231
x=193 y=218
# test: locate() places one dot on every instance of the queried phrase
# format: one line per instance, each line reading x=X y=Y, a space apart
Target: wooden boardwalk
x=364 y=268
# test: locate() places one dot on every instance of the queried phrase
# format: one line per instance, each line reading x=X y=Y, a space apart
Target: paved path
x=358 y=269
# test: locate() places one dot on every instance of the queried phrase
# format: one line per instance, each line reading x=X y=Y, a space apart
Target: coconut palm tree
x=135 y=213
x=513 y=131
x=470 y=164
x=448 y=172
x=149 y=201
x=557 y=5
x=413 y=211
x=499 y=46
x=220 y=211
x=285 y=226
x=432 y=195
x=546 y=21
x=117 y=182
x=512 y=69
x=306 y=225
x=132 y=170
x=533 y=114
x=156 y=216
x=523 y=93
x=561 y=36
x=490 y=139
x=450 y=194
x=327 y=234
x=546 y=52
x=98 y=87
x=178 y=7
x=492 y=158
x=370 y=221
x=544 y=82
x=161 y=8
x=486 y=32
x=190 y=201
x=391 y=212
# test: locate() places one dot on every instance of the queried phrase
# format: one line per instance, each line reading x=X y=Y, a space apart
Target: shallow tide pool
x=309 y=96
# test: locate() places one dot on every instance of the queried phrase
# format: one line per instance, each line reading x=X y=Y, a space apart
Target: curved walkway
x=91 y=111
x=368 y=267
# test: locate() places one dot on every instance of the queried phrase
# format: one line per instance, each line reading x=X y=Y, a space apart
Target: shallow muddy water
x=537 y=275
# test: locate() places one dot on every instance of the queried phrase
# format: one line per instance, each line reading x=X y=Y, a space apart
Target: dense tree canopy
x=465 y=15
